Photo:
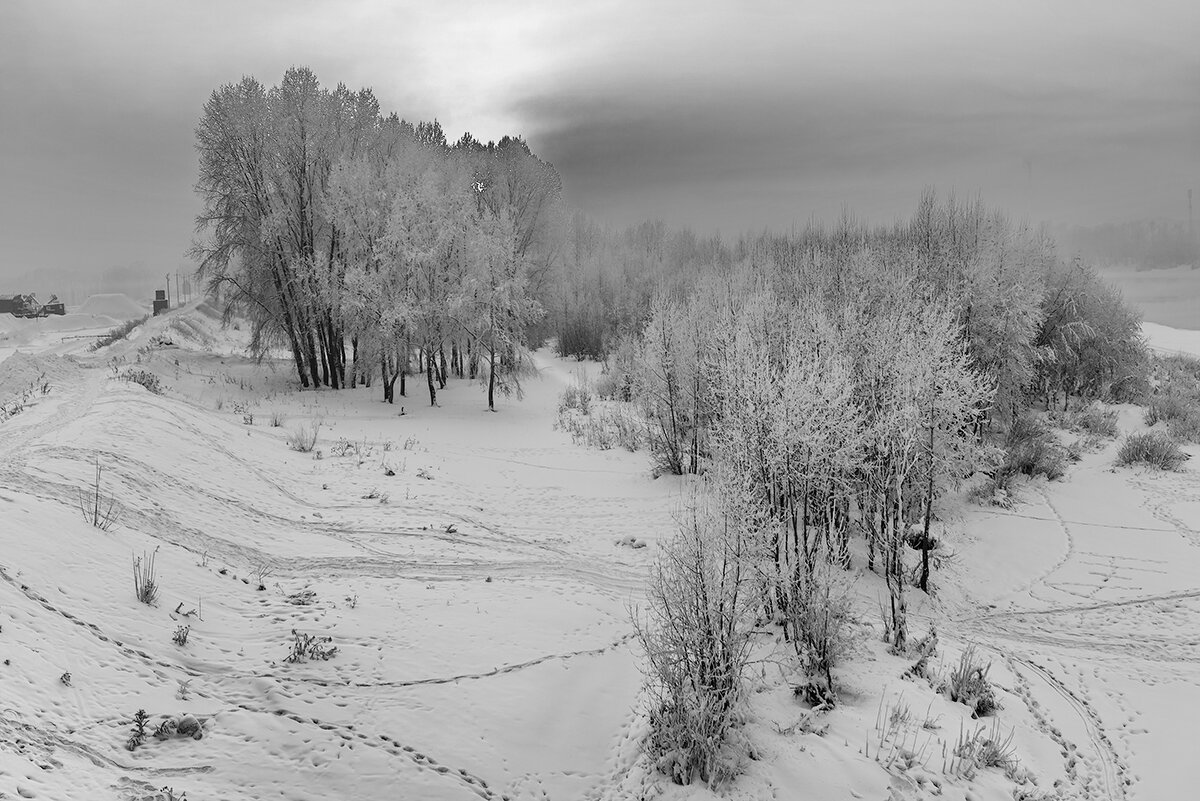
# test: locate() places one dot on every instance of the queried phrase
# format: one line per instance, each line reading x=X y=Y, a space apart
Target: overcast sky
x=729 y=116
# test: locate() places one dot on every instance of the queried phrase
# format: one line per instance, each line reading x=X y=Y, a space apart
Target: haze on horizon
x=741 y=117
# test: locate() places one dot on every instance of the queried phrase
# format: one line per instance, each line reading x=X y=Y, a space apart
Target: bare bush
x=303 y=438
x=99 y=509
x=697 y=644
x=819 y=618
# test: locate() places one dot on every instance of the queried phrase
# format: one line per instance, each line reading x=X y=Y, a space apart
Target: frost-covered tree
x=325 y=221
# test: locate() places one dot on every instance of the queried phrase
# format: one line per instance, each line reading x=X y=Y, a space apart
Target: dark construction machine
x=28 y=306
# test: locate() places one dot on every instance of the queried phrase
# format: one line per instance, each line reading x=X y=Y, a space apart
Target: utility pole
x=168 y=290
x=1192 y=234
x=177 y=295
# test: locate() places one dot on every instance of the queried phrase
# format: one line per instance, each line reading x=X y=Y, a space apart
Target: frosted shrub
x=819 y=618
x=1095 y=419
x=118 y=333
x=577 y=398
x=608 y=426
x=1152 y=448
x=310 y=647
x=1034 y=450
x=1176 y=401
x=968 y=684
x=697 y=643
x=144 y=378
x=303 y=437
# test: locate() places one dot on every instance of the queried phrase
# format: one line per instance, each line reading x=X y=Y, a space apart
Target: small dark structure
x=161 y=303
x=28 y=306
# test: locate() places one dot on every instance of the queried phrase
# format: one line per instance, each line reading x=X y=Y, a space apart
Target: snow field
x=481 y=609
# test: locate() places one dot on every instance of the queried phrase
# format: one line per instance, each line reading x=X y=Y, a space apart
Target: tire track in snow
x=1111 y=772
x=1060 y=610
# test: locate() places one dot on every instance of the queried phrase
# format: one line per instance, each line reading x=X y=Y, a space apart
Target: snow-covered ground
x=1176 y=341
x=480 y=603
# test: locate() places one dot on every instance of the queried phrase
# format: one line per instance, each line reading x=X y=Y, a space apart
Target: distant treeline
x=1144 y=245
x=1032 y=321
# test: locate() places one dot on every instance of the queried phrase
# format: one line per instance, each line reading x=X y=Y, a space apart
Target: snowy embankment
x=114 y=305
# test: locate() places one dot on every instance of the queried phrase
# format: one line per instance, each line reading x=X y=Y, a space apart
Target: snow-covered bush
x=118 y=333
x=1033 y=450
x=615 y=381
x=1096 y=420
x=697 y=643
x=99 y=509
x=819 y=615
x=303 y=437
x=576 y=397
x=179 y=726
x=606 y=426
x=968 y=684
x=1153 y=448
x=1176 y=400
x=988 y=747
x=145 y=378
x=306 y=647
x=137 y=733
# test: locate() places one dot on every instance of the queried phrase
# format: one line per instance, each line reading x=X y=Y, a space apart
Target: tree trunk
x=429 y=378
x=492 y=380
x=383 y=371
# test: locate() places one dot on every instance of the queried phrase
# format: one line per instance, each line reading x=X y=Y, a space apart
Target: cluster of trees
x=835 y=384
x=327 y=223
x=1035 y=324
